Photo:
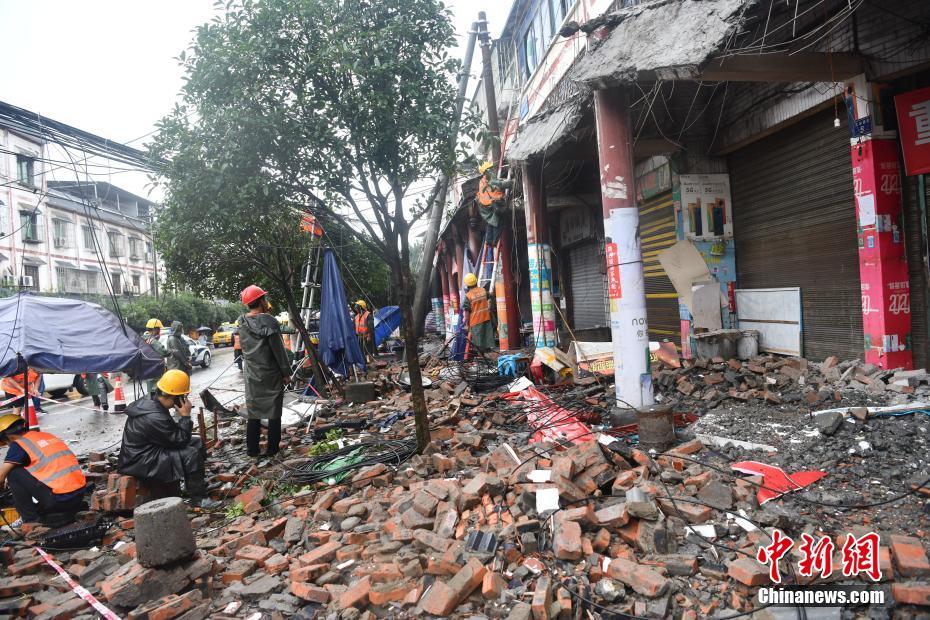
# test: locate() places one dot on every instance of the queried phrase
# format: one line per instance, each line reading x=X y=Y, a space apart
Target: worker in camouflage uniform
x=152 y=336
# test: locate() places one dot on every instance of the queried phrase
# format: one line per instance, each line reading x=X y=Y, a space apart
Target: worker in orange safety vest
x=478 y=307
x=365 y=329
x=42 y=473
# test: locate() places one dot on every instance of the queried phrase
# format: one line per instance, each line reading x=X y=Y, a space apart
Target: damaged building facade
x=684 y=167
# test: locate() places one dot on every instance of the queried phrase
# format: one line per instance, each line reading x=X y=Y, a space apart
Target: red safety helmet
x=251 y=294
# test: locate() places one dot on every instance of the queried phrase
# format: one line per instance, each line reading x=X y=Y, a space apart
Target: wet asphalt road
x=86 y=430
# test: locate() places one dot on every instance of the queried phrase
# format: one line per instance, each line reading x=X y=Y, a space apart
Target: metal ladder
x=310 y=277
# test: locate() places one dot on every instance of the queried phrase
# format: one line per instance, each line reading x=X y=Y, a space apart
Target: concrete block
x=163 y=533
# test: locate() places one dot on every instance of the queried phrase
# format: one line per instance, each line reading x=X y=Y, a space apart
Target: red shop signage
x=913 y=110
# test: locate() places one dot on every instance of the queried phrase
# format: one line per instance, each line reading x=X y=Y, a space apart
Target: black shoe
x=253 y=455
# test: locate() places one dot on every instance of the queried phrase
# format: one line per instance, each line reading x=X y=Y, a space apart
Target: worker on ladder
x=491 y=199
x=478 y=307
x=365 y=329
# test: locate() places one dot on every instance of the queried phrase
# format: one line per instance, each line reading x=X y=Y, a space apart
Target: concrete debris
x=487 y=523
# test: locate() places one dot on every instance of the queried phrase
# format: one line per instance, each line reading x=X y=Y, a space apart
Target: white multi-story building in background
x=69 y=237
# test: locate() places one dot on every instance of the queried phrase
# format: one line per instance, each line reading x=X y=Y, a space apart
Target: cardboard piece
x=706 y=310
x=684 y=266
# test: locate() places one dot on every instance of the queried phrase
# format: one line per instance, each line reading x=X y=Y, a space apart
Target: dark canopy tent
x=387 y=319
x=338 y=344
x=54 y=334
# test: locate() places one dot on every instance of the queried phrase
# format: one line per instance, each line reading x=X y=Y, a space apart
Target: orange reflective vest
x=14 y=385
x=361 y=323
x=51 y=462
x=487 y=195
x=480 y=310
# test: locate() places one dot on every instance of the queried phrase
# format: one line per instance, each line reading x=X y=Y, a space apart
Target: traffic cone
x=119 y=402
x=29 y=415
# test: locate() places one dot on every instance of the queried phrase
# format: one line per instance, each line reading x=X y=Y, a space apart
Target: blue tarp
x=387 y=319
x=55 y=334
x=338 y=344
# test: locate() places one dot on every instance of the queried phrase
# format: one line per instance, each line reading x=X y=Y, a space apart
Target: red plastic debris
x=775 y=482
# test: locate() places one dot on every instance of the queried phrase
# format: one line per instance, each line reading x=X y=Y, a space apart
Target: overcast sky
x=108 y=66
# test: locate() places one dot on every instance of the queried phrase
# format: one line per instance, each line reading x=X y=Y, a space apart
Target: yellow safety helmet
x=174 y=383
x=471 y=279
x=362 y=304
x=484 y=167
x=8 y=420
x=153 y=324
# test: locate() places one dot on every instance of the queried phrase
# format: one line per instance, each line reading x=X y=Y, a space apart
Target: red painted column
x=886 y=295
x=508 y=317
x=444 y=284
x=625 y=284
x=540 y=256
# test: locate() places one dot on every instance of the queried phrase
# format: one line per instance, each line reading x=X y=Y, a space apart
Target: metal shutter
x=657 y=232
x=794 y=223
x=916 y=270
x=589 y=286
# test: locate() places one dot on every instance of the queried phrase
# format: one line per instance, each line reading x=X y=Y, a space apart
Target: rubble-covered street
x=489 y=523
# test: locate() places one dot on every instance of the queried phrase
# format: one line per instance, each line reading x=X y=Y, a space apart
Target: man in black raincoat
x=179 y=354
x=267 y=370
x=159 y=450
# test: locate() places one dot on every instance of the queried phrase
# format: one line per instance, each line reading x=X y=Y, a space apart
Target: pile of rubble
x=486 y=523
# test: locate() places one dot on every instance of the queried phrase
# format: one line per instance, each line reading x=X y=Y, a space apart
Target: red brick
x=749 y=572
x=255 y=553
x=601 y=541
x=322 y=554
x=909 y=556
x=911 y=593
x=273 y=529
x=442 y=598
x=384 y=593
x=492 y=585
x=229 y=549
x=566 y=541
x=642 y=579
x=237 y=570
x=613 y=516
x=276 y=564
x=310 y=592
x=251 y=499
x=325 y=500
x=626 y=480
x=168 y=607
x=15 y=587
x=542 y=598
x=383 y=573
x=308 y=573
x=27 y=566
x=693 y=513
x=356 y=595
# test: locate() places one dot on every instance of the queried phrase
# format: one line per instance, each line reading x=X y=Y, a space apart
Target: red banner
x=913 y=110
x=612 y=256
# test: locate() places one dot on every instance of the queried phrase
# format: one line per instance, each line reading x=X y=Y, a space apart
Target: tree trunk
x=421 y=301
x=294 y=310
x=404 y=286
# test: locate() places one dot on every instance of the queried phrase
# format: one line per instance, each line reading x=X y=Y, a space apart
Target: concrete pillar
x=436 y=300
x=508 y=316
x=626 y=290
x=540 y=257
x=886 y=298
x=163 y=533
x=453 y=296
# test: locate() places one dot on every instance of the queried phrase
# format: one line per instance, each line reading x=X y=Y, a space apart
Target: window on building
x=117 y=279
x=149 y=252
x=82 y=281
x=135 y=248
x=136 y=284
x=26 y=170
x=539 y=31
x=116 y=244
x=151 y=285
x=62 y=230
x=29 y=225
x=31 y=271
x=88 y=237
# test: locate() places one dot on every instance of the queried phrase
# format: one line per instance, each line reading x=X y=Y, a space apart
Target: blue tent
x=387 y=319
x=55 y=334
x=338 y=345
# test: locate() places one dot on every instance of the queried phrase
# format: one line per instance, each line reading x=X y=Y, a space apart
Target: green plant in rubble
x=329 y=444
x=235 y=511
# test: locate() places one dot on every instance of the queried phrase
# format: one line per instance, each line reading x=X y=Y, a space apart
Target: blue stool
x=513 y=365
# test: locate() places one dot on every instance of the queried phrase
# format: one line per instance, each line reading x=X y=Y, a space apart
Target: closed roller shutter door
x=916 y=271
x=657 y=232
x=794 y=224
x=589 y=287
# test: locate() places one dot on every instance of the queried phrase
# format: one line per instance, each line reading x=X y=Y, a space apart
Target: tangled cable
x=324 y=467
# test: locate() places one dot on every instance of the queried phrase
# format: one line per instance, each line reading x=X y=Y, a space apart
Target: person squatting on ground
x=160 y=451
x=41 y=471
x=266 y=370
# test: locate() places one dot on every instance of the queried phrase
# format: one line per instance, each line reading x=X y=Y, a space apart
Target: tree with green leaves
x=335 y=107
